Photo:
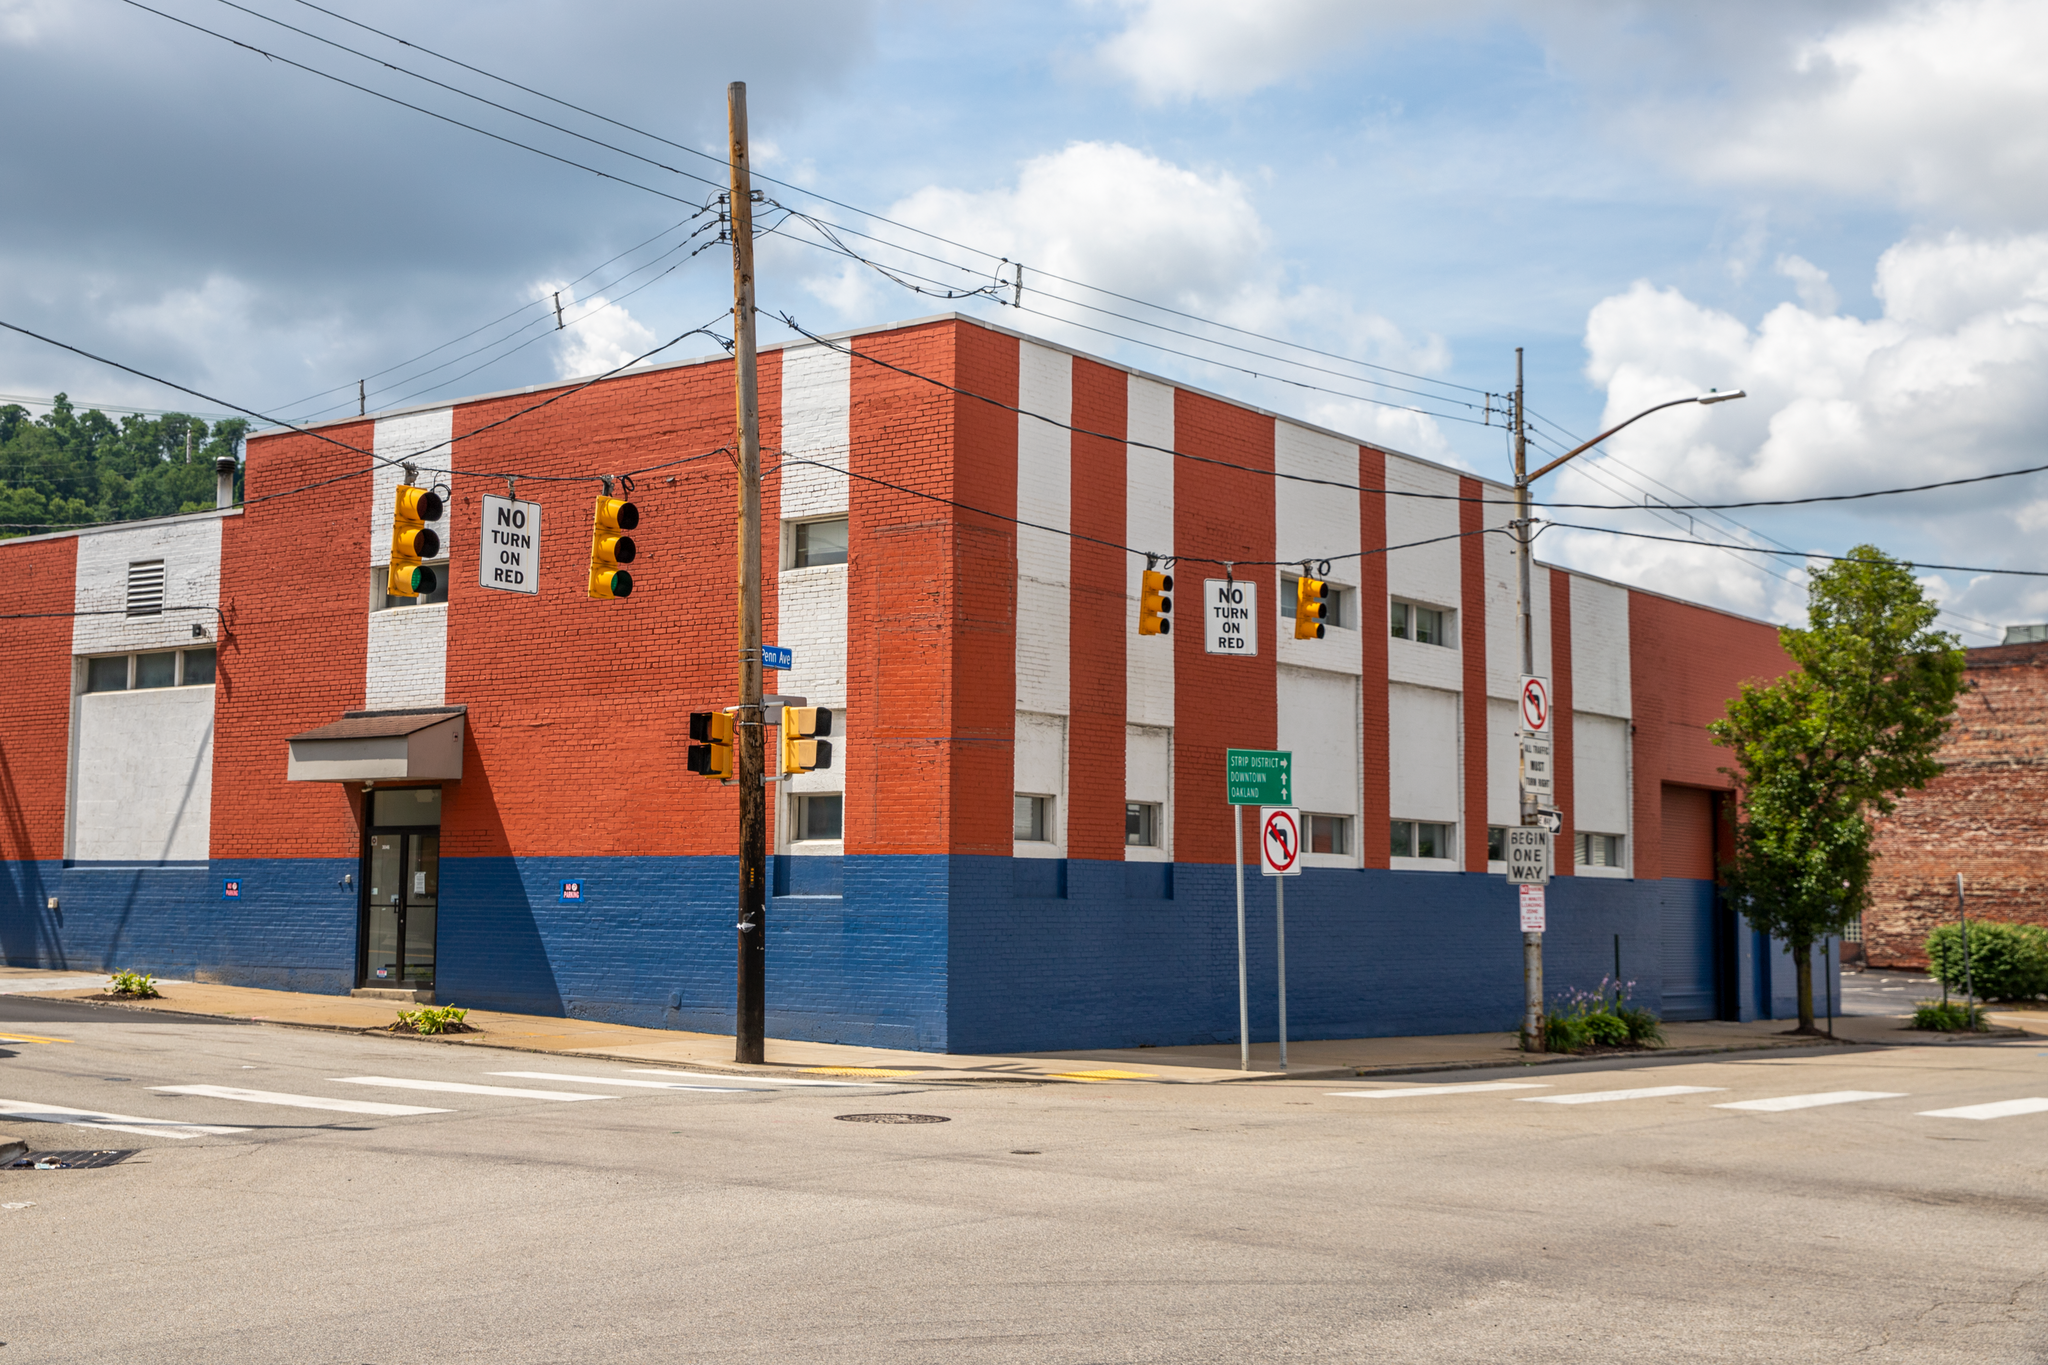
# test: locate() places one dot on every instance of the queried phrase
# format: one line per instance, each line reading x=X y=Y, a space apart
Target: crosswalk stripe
x=117 y=1123
x=1478 y=1087
x=2002 y=1109
x=618 y=1080
x=461 y=1088
x=229 y=1092
x=1602 y=1096
x=1780 y=1103
x=763 y=1080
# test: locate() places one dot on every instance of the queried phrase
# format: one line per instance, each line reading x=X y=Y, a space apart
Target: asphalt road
x=1043 y=1223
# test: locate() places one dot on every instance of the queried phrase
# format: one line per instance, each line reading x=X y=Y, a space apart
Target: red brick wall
x=1561 y=712
x=1685 y=662
x=1983 y=817
x=1100 y=617
x=931 y=621
x=294 y=594
x=1376 y=801
x=1472 y=641
x=35 y=721
x=1219 y=702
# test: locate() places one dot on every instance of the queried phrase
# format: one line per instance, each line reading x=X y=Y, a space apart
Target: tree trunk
x=1802 y=963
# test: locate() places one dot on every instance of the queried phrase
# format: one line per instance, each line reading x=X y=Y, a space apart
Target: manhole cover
x=64 y=1161
x=892 y=1118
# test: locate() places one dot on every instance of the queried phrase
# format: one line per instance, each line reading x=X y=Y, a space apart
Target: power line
x=1805 y=554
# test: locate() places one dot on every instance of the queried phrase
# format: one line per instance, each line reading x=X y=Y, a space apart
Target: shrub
x=2007 y=961
x=1643 y=1024
x=1601 y=1018
x=1956 y=1018
x=134 y=985
x=432 y=1019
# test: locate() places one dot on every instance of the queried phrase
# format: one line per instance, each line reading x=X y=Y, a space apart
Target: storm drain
x=70 y=1161
x=892 y=1118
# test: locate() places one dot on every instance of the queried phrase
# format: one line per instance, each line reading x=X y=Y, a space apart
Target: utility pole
x=751 y=1022
x=1532 y=941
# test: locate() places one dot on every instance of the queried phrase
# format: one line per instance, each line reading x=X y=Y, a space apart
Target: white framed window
x=1141 y=824
x=1033 y=820
x=1423 y=625
x=1337 y=609
x=813 y=544
x=381 y=598
x=1496 y=843
x=1597 y=850
x=150 y=669
x=820 y=817
x=1329 y=834
x=1424 y=839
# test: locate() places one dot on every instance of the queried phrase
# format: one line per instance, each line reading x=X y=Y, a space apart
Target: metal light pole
x=1532 y=942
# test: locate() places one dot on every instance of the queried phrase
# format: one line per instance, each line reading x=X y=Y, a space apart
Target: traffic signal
x=1155 y=603
x=610 y=547
x=412 y=541
x=802 y=750
x=711 y=749
x=1310 y=594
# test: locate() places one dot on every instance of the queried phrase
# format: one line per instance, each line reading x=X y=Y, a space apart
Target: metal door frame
x=409 y=832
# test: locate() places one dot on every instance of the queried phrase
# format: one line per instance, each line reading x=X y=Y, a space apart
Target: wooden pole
x=750 y=1026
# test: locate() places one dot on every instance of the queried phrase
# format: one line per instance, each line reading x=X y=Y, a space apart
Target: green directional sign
x=1259 y=777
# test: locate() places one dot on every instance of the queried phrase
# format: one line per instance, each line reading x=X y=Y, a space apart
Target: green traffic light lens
x=622 y=583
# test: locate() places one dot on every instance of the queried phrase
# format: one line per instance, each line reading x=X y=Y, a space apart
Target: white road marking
x=617 y=1080
x=1779 y=1104
x=2002 y=1109
x=229 y=1092
x=764 y=1080
x=1475 y=1088
x=1602 y=1096
x=459 y=1088
x=118 y=1123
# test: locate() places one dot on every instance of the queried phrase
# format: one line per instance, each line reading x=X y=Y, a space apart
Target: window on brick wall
x=1141 y=824
x=1033 y=819
x=1329 y=834
x=1596 y=850
x=820 y=817
x=1423 y=625
x=382 y=600
x=816 y=543
x=1423 y=839
x=156 y=668
x=1496 y=843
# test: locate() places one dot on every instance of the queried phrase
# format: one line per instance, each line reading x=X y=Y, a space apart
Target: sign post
x=1539 y=791
x=1251 y=777
x=1280 y=857
x=509 y=557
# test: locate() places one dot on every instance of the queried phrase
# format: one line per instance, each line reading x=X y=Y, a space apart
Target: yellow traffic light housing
x=611 y=547
x=1155 y=603
x=1310 y=597
x=710 y=754
x=802 y=749
x=413 y=541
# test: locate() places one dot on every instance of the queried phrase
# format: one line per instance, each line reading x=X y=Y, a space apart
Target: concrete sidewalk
x=1334 y=1059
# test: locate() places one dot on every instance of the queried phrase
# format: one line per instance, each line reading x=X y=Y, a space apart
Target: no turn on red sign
x=1280 y=841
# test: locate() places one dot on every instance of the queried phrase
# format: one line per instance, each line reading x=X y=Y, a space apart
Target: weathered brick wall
x=1986 y=816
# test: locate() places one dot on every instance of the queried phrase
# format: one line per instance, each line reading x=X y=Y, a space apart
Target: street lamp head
x=1716 y=396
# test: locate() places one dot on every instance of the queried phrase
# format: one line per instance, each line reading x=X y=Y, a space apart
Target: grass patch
x=431 y=1019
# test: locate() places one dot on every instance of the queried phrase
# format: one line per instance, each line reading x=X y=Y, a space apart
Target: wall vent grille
x=146 y=588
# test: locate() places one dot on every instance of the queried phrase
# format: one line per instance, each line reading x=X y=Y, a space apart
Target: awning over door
x=380 y=746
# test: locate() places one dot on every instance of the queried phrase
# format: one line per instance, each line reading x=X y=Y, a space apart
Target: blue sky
x=1838 y=206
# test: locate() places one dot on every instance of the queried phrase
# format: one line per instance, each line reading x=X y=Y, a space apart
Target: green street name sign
x=1259 y=777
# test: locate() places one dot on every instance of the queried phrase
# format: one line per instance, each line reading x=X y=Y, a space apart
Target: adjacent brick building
x=1985 y=817
x=1022 y=841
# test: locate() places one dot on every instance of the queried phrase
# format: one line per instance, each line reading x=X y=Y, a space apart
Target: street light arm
x=1582 y=448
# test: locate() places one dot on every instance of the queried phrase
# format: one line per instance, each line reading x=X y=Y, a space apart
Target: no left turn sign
x=1535 y=705
x=1280 y=841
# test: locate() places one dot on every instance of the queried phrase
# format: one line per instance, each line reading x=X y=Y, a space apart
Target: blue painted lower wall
x=957 y=954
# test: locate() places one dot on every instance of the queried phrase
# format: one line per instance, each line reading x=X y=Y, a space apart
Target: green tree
x=68 y=468
x=1826 y=747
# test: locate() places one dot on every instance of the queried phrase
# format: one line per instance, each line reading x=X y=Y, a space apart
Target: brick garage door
x=1687 y=898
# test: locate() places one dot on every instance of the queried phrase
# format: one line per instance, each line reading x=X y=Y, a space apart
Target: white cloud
x=1945 y=383
x=1188 y=239
x=1811 y=284
x=1178 y=49
x=26 y=22
x=1940 y=105
x=598 y=335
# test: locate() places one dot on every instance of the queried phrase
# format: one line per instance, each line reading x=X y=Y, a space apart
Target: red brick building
x=1985 y=817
